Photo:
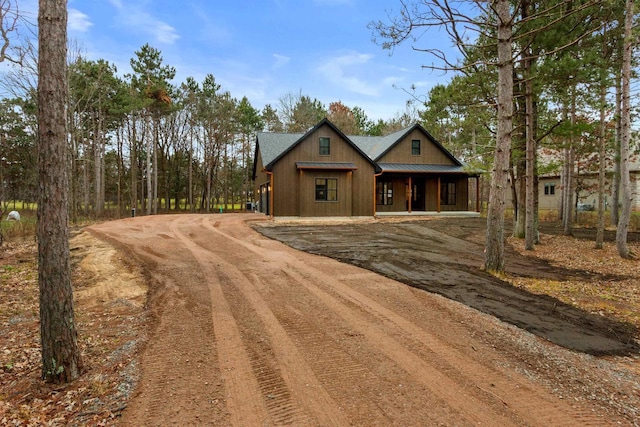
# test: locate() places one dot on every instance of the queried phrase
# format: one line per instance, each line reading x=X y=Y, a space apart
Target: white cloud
x=116 y=3
x=78 y=21
x=136 y=19
x=281 y=60
x=339 y=72
x=164 y=32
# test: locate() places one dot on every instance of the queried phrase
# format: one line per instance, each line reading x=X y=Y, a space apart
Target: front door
x=417 y=195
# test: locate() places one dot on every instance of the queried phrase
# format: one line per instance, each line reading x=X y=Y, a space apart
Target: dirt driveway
x=444 y=256
x=250 y=332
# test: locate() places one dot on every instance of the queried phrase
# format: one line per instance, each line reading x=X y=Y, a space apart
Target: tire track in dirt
x=287 y=338
x=243 y=398
x=428 y=375
x=441 y=357
x=179 y=355
x=430 y=360
x=303 y=401
x=350 y=382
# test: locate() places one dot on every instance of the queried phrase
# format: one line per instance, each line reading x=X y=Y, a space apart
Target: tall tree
x=625 y=187
x=151 y=78
x=249 y=122
x=270 y=119
x=494 y=22
x=299 y=112
x=494 y=255
x=343 y=117
x=59 y=338
x=9 y=19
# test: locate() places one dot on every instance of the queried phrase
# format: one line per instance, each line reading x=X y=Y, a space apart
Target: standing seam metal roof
x=272 y=145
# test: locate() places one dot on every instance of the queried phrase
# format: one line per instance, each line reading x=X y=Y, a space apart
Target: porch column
x=300 y=203
x=478 y=193
x=438 y=198
x=375 y=187
x=409 y=195
x=271 y=191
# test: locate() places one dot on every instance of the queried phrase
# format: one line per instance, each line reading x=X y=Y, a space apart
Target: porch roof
x=327 y=165
x=423 y=168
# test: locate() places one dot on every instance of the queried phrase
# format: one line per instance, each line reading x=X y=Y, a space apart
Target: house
x=323 y=172
x=585 y=197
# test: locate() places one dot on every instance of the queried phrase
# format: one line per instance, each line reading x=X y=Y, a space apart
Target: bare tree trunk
x=602 y=160
x=85 y=178
x=133 y=144
x=97 y=164
x=519 y=160
x=119 y=141
x=149 y=178
x=530 y=231
x=563 y=185
x=227 y=176
x=154 y=196
x=73 y=184
x=58 y=335
x=615 y=190
x=567 y=191
x=103 y=184
x=519 y=189
x=494 y=256
x=209 y=179
x=191 y=207
x=625 y=180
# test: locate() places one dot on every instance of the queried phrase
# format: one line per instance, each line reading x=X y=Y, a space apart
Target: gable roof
x=274 y=146
x=377 y=147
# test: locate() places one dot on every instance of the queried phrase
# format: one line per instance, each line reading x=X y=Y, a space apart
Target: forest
x=142 y=141
x=139 y=141
x=537 y=87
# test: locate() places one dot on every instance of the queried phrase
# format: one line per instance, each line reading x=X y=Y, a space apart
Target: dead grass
x=109 y=337
x=615 y=289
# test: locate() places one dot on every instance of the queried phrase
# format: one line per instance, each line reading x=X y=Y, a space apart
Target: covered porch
x=429 y=189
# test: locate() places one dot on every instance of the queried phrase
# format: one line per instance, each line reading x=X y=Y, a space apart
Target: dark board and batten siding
x=430 y=153
x=355 y=194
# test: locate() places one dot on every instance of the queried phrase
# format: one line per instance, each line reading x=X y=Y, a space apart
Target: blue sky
x=262 y=49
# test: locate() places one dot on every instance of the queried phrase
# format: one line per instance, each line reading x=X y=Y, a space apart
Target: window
x=326 y=189
x=448 y=193
x=415 y=147
x=325 y=146
x=384 y=193
x=549 y=189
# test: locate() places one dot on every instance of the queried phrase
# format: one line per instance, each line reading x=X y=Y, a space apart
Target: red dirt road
x=250 y=332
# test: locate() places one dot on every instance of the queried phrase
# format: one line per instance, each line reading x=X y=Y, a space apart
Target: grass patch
x=22 y=229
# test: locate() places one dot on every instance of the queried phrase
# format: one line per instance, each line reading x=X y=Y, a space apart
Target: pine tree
x=60 y=353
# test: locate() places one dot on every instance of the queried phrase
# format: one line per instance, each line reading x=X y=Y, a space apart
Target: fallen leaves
x=110 y=334
x=613 y=289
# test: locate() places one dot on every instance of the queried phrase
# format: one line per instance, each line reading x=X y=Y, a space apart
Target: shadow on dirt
x=444 y=256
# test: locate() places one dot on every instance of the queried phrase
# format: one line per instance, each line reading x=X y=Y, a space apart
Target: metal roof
x=272 y=146
x=421 y=168
x=327 y=165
